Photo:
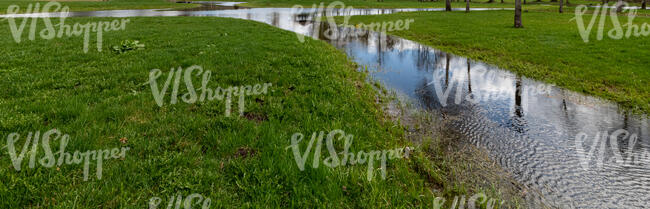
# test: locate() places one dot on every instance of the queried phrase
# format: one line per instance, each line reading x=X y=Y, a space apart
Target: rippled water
x=531 y=128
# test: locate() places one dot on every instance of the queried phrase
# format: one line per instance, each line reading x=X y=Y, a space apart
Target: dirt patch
x=257 y=117
x=245 y=152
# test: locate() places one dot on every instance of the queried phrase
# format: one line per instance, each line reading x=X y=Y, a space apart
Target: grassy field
x=103 y=101
x=100 y=5
x=548 y=48
x=378 y=4
x=530 y=4
x=85 y=5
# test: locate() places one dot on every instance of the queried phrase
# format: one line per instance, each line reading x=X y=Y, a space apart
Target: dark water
x=534 y=130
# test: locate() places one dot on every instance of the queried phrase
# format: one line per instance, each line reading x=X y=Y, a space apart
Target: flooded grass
x=450 y=165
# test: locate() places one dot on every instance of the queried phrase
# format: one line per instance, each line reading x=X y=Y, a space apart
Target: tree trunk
x=502 y=1
x=619 y=6
x=466 y=5
x=561 y=6
x=448 y=5
x=643 y=5
x=518 y=14
x=524 y=1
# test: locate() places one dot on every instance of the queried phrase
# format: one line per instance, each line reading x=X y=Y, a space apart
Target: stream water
x=559 y=142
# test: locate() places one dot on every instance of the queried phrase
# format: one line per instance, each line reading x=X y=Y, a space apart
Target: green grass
x=548 y=48
x=100 y=5
x=99 y=98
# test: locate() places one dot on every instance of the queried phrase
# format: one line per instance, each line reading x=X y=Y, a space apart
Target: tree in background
x=643 y=5
x=518 y=14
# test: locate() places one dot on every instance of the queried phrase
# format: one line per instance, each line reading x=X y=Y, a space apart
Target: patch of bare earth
x=245 y=152
x=257 y=117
